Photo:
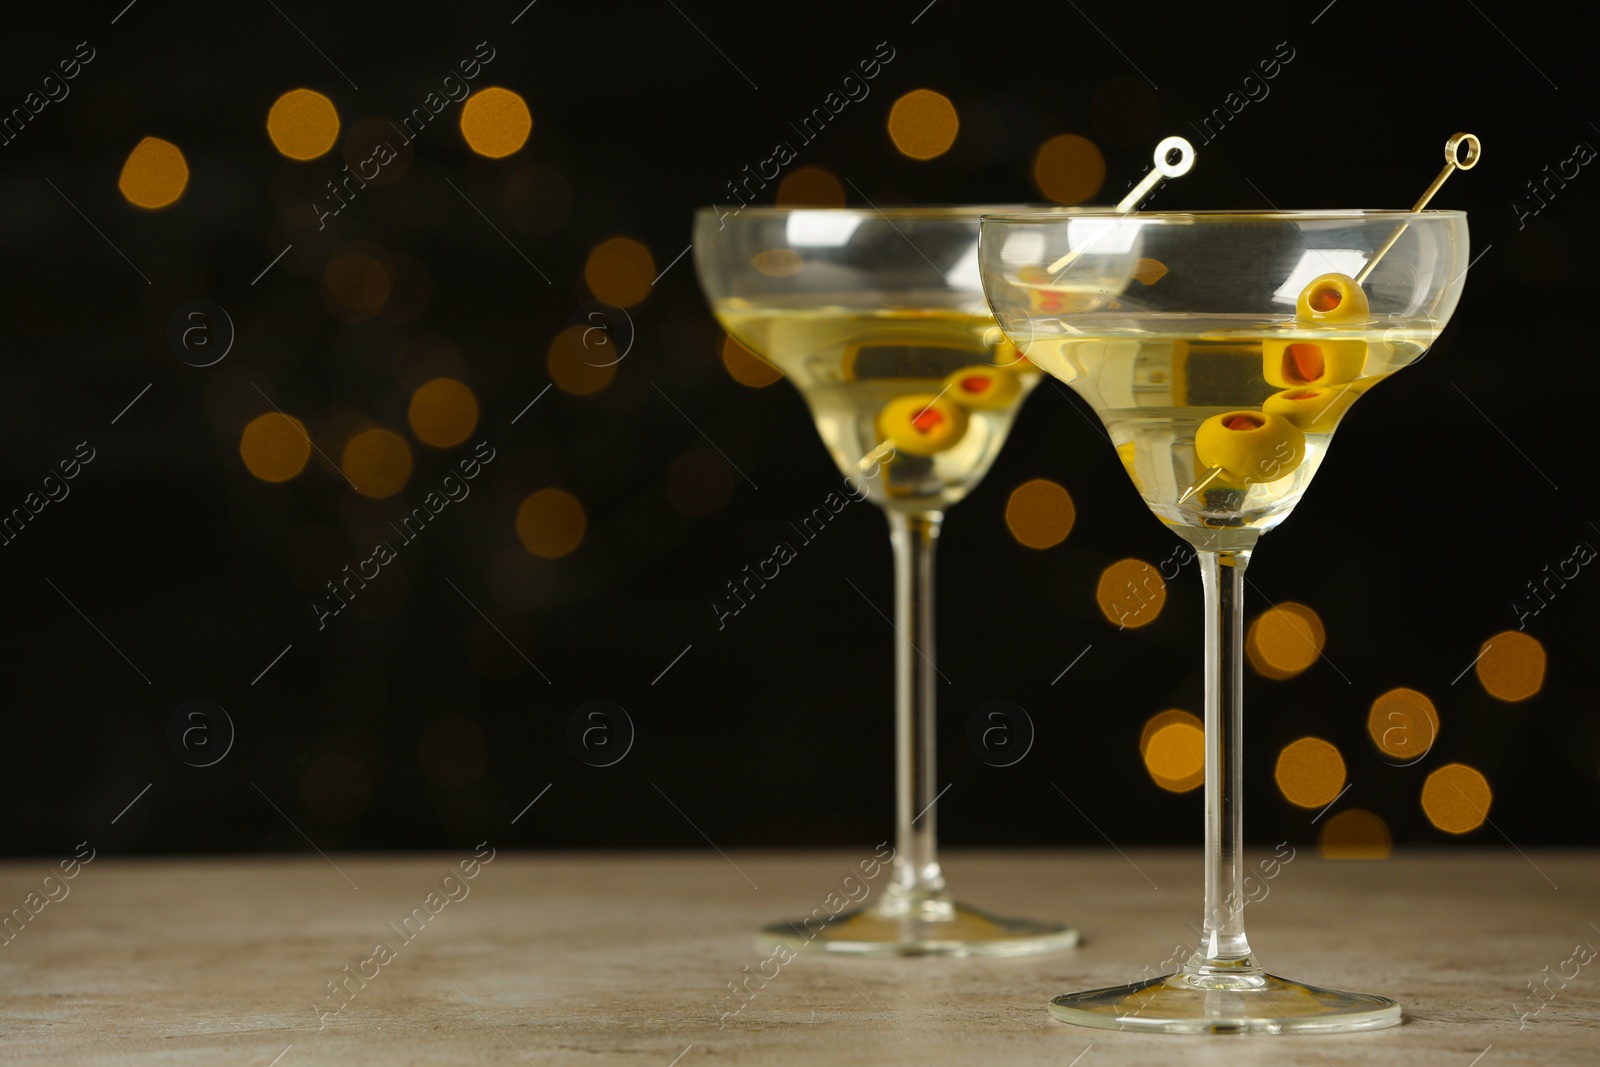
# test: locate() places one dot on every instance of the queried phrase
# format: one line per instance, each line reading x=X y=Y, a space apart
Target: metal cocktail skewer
x=1453 y=161
x=1164 y=167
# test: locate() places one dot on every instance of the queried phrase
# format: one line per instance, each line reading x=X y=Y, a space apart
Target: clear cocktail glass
x=879 y=319
x=1221 y=350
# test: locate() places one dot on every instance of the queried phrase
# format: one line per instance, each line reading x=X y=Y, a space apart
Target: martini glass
x=1220 y=350
x=879 y=319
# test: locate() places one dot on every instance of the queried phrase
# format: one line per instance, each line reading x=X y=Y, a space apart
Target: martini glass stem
x=1223 y=946
x=916 y=865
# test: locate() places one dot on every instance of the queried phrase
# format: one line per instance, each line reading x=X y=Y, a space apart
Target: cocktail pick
x=1454 y=160
x=1174 y=157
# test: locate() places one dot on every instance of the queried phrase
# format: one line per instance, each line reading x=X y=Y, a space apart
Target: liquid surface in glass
x=940 y=385
x=1274 y=397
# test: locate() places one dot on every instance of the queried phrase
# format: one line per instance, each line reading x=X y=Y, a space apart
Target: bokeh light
x=1403 y=723
x=746 y=367
x=303 y=124
x=1173 y=747
x=923 y=124
x=537 y=199
x=452 y=751
x=1069 y=169
x=1040 y=513
x=332 y=430
x=335 y=788
x=551 y=523
x=378 y=462
x=699 y=482
x=1456 y=798
x=810 y=187
x=275 y=447
x=376 y=152
x=1284 y=640
x=1130 y=593
x=424 y=358
x=155 y=174
x=578 y=363
x=1310 y=772
x=410 y=288
x=1511 y=666
x=443 y=413
x=778 y=262
x=356 y=285
x=1356 y=834
x=1166 y=718
x=1149 y=271
x=495 y=122
x=620 y=271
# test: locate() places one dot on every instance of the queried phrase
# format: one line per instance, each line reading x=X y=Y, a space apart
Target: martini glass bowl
x=1221 y=350
x=879 y=319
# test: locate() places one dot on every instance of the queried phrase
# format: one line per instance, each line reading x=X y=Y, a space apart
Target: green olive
x=1249 y=446
x=922 y=424
x=1332 y=298
x=983 y=388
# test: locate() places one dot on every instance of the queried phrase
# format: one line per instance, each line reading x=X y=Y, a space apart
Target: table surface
x=627 y=958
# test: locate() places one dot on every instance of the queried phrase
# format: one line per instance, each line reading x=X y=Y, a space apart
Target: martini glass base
x=926 y=926
x=1240 y=1002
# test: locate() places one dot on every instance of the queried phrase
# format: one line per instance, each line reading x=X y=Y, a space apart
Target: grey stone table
x=627 y=959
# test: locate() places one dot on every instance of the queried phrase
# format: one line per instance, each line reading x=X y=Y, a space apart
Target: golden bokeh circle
x=1356 y=834
x=377 y=462
x=426 y=357
x=746 y=367
x=1130 y=593
x=495 y=122
x=551 y=523
x=443 y=413
x=1403 y=723
x=1284 y=640
x=923 y=124
x=334 y=429
x=620 y=271
x=1069 y=169
x=811 y=187
x=578 y=363
x=1175 y=753
x=1310 y=773
x=356 y=286
x=778 y=262
x=1456 y=798
x=1511 y=666
x=275 y=447
x=375 y=151
x=1166 y=718
x=303 y=124
x=1040 y=513
x=699 y=482
x=155 y=174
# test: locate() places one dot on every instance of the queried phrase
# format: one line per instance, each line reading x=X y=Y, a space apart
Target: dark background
x=409 y=723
